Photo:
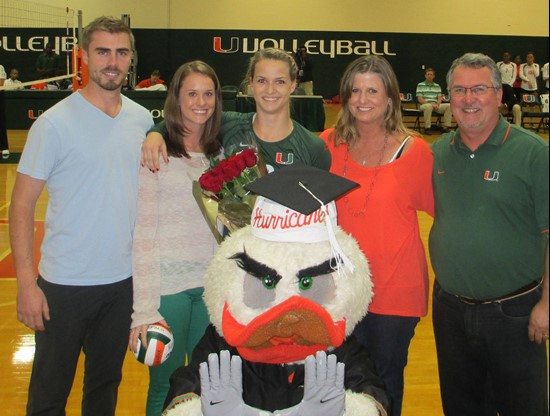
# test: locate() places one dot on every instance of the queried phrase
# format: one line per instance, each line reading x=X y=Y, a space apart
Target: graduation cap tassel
x=336 y=251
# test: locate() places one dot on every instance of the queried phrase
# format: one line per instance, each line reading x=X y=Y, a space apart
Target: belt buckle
x=470 y=301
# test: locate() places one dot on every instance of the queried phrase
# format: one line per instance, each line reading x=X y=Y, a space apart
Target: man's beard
x=109 y=84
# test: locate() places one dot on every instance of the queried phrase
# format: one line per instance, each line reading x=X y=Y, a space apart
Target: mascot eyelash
x=318 y=270
x=255 y=268
x=260 y=270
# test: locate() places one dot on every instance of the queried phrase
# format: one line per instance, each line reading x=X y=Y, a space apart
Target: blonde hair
x=345 y=130
x=274 y=54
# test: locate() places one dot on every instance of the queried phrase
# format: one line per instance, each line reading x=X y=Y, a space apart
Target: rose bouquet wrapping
x=223 y=185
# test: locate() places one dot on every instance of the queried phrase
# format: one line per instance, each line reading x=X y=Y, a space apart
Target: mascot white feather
x=284 y=295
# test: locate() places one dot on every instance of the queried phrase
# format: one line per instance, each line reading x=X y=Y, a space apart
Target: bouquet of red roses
x=224 y=183
x=227 y=178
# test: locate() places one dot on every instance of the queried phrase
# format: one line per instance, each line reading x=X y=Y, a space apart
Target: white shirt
x=13 y=85
x=528 y=74
x=507 y=72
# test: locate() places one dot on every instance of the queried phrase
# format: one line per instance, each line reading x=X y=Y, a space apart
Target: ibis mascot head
x=284 y=295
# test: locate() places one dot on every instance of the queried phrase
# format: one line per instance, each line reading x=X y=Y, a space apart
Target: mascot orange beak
x=288 y=332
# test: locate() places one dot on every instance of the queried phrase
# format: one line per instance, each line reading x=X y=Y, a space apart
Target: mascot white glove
x=222 y=387
x=324 y=392
x=222 y=391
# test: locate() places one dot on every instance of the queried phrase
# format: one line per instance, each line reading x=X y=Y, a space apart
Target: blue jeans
x=486 y=362
x=94 y=319
x=387 y=337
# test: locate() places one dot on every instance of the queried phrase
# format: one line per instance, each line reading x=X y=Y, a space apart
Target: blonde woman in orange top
x=371 y=146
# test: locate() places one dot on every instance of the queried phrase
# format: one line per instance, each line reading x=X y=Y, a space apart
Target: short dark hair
x=107 y=24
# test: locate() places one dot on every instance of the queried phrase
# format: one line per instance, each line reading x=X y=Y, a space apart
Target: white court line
x=7 y=304
x=5 y=254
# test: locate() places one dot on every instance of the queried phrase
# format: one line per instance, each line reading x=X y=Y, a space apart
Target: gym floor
x=17 y=341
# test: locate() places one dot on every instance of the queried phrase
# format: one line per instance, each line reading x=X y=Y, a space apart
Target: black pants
x=95 y=319
x=486 y=362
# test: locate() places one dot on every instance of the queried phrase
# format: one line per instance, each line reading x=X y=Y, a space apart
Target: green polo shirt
x=491 y=212
x=430 y=92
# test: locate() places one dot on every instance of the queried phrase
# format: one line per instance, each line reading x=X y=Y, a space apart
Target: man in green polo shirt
x=489 y=251
x=48 y=63
x=430 y=98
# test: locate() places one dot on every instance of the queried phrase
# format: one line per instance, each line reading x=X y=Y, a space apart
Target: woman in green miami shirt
x=271 y=77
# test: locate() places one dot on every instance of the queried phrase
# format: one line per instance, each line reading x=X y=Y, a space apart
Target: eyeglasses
x=476 y=91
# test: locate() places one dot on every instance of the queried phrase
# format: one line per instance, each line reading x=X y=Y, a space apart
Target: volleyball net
x=29 y=31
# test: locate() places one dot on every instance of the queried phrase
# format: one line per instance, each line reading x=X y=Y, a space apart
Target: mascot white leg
x=362 y=405
x=191 y=407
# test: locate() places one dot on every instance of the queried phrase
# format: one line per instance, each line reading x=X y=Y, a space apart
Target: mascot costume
x=284 y=295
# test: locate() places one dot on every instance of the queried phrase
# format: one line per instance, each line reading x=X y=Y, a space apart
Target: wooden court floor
x=17 y=342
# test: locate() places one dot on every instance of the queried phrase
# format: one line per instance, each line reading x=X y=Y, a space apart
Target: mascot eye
x=320 y=289
x=269 y=282
x=305 y=283
x=259 y=292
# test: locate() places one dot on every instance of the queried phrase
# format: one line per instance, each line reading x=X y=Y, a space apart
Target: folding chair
x=531 y=108
x=409 y=109
x=544 y=100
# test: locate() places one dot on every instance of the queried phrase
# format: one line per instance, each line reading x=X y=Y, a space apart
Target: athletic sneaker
x=5 y=154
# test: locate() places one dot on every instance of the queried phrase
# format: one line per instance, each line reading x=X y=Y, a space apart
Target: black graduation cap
x=283 y=187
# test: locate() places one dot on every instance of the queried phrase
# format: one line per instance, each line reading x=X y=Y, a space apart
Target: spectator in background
x=154 y=83
x=528 y=72
x=48 y=63
x=508 y=69
x=13 y=82
x=305 y=70
x=3 y=133
x=545 y=75
x=40 y=86
x=517 y=82
x=510 y=104
x=430 y=98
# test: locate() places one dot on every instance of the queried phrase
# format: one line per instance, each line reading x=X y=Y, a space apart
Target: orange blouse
x=385 y=224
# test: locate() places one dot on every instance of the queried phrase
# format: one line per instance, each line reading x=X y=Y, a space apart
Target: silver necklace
x=361 y=212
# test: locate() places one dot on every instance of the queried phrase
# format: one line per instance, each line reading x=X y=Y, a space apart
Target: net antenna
x=132 y=72
x=28 y=15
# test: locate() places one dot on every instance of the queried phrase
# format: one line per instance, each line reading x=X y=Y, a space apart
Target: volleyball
x=160 y=343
